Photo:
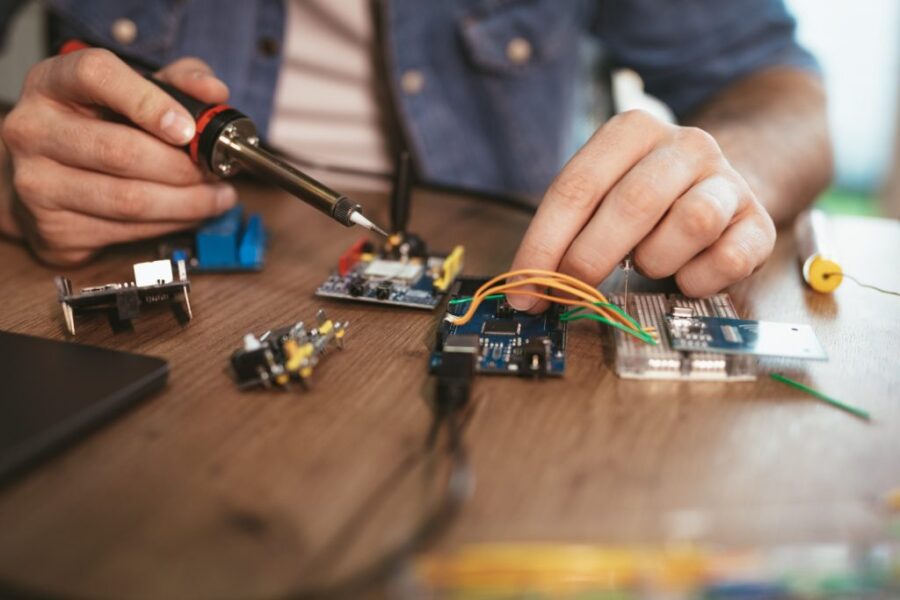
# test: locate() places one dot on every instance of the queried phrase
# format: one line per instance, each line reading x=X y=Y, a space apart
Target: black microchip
x=500 y=327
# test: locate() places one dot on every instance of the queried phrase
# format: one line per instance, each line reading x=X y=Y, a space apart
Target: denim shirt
x=484 y=90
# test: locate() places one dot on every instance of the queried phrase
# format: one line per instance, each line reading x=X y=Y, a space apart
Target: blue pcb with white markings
x=741 y=336
x=504 y=340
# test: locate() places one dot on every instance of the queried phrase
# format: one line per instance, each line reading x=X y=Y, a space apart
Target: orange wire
x=548 y=279
x=479 y=295
x=591 y=294
x=589 y=299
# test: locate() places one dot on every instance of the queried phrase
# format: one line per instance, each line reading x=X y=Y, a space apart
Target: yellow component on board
x=305 y=372
x=282 y=379
x=339 y=333
x=326 y=327
x=450 y=269
x=296 y=354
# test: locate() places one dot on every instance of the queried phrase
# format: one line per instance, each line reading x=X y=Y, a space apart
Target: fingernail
x=199 y=74
x=178 y=127
x=226 y=196
x=521 y=303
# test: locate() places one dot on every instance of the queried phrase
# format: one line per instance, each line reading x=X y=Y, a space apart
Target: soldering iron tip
x=358 y=218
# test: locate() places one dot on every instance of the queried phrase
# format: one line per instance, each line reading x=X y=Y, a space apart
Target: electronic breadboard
x=503 y=340
x=402 y=273
x=635 y=359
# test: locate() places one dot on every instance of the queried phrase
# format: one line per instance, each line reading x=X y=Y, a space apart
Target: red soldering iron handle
x=210 y=118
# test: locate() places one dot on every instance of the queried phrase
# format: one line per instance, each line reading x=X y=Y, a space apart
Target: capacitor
x=819 y=266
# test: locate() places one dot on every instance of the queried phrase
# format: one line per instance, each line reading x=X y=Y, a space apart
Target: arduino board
x=503 y=340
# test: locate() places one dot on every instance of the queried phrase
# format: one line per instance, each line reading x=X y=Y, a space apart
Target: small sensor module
x=289 y=354
x=154 y=283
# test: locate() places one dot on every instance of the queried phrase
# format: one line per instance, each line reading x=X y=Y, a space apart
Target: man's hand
x=93 y=147
x=665 y=191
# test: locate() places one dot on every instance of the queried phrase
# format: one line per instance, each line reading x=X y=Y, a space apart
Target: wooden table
x=207 y=492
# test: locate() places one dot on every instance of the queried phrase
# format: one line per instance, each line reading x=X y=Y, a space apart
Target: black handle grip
x=193 y=106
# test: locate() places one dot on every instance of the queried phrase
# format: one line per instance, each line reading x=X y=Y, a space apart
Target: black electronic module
x=154 y=283
x=503 y=340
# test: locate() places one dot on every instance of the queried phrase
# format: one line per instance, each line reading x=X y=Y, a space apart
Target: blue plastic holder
x=226 y=243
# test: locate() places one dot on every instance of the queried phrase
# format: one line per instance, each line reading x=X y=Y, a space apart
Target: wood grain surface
x=208 y=492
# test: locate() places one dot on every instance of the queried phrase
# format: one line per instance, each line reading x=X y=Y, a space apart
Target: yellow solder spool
x=820 y=270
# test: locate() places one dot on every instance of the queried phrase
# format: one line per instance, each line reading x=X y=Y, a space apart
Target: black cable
x=453 y=389
x=457 y=489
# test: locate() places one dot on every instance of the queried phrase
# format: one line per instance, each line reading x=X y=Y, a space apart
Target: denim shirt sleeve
x=687 y=50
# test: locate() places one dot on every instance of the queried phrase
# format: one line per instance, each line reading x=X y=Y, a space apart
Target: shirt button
x=412 y=82
x=124 y=31
x=518 y=51
x=267 y=46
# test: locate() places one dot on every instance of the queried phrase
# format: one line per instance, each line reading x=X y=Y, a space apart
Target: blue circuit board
x=504 y=340
x=359 y=284
x=740 y=336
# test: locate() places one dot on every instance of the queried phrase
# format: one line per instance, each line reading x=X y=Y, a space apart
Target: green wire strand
x=569 y=313
x=853 y=410
x=641 y=335
x=469 y=299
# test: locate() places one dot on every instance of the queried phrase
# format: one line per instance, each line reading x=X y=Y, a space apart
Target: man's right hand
x=94 y=148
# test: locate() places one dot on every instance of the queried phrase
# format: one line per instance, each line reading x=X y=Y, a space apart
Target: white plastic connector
x=155 y=272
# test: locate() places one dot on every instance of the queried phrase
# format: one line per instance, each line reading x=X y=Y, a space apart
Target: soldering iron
x=226 y=142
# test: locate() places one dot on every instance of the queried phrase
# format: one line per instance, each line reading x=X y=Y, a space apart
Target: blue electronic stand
x=228 y=243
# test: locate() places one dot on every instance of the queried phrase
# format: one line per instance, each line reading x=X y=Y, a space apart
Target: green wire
x=641 y=335
x=469 y=298
x=569 y=314
x=817 y=394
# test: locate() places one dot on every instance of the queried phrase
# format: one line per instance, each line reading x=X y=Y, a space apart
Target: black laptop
x=52 y=393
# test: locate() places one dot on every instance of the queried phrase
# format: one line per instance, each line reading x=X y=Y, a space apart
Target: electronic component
x=154 y=283
x=738 y=336
x=500 y=327
x=279 y=357
x=402 y=272
x=406 y=281
x=635 y=359
x=516 y=344
x=227 y=243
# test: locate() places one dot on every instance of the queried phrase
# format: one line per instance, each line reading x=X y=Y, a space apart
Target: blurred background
x=857 y=44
